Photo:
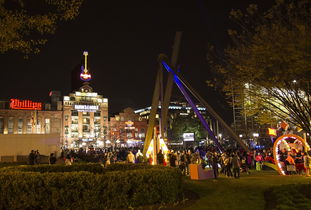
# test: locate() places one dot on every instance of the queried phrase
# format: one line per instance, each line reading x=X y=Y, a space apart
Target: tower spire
x=85 y=53
x=85 y=75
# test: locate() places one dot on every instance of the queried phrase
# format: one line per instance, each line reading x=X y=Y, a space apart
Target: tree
x=24 y=25
x=267 y=68
x=187 y=124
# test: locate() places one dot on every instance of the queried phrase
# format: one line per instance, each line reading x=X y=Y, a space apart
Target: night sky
x=124 y=39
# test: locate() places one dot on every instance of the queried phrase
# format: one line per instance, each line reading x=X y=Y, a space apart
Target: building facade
x=85 y=115
x=127 y=128
x=27 y=117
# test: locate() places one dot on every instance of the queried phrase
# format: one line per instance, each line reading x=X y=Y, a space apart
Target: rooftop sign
x=25 y=104
x=86 y=108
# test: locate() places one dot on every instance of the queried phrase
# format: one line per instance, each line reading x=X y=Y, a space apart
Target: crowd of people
x=295 y=161
x=230 y=163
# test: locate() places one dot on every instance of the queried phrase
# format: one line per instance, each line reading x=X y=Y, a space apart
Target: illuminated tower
x=85 y=114
x=85 y=75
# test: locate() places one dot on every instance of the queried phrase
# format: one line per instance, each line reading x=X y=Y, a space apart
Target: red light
x=25 y=104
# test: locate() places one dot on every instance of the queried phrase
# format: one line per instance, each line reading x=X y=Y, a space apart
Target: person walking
x=130 y=157
x=31 y=157
x=160 y=157
x=307 y=163
x=259 y=160
x=68 y=160
x=215 y=164
x=236 y=166
x=52 y=159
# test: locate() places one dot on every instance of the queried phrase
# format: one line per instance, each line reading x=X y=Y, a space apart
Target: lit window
x=29 y=126
x=20 y=126
x=48 y=125
x=10 y=125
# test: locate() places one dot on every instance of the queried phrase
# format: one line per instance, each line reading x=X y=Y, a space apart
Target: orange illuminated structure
x=287 y=143
x=25 y=104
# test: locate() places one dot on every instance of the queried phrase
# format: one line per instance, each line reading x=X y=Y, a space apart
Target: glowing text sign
x=25 y=104
x=86 y=108
x=188 y=136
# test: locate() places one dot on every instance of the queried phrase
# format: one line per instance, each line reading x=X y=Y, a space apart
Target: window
x=29 y=126
x=74 y=128
x=74 y=113
x=38 y=126
x=10 y=125
x=86 y=120
x=66 y=117
x=1 y=125
x=129 y=135
x=66 y=130
x=48 y=125
x=74 y=120
x=20 y=126
x=86 y=128
x=85 y=113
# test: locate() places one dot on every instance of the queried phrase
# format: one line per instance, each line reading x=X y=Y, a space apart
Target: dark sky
x=123 y=39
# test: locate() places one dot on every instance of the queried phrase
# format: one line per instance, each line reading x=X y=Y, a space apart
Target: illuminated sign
x=129 y=125
x=85 y=75
x=25 y=104
x=272 y=131
x=86 y=108
x=188 y=136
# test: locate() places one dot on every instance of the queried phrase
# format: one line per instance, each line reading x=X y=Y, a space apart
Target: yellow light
x=272 y=131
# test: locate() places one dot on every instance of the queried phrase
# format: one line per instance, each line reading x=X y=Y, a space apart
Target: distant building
x=127 y=128
x=26 y=125
x=85 y=118
x=28 y=117
x=175 y=108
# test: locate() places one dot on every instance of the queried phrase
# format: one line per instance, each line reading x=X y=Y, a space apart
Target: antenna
x=85 y=53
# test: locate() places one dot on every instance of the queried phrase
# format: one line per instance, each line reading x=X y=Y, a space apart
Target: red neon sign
x=25 y=104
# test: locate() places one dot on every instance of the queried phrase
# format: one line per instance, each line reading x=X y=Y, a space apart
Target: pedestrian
x=307 y=163
x=31 y=157
x=130 y=157
x=68 y=160
x=236 y=166
x=259 y=160
x=52 y=159
x=215 y=164
x=160 y=157
x=37 y=157
x=172 y=159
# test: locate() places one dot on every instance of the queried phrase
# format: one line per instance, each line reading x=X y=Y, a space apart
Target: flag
x=284 y=125
x=272 y=131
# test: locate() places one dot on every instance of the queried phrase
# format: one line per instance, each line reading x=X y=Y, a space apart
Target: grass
x=244 y=193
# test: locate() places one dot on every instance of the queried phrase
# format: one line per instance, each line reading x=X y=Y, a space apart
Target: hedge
x=43 y=168
x=90 y=167
x=289 y=197
x=86 y=190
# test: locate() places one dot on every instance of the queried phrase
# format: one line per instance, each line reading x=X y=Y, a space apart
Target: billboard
x=86 y=108
x=188 y=136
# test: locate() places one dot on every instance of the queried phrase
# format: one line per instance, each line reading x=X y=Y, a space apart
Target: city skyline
x=123 y=42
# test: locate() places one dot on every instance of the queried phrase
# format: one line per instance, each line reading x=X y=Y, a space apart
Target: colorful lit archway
x=287 y=143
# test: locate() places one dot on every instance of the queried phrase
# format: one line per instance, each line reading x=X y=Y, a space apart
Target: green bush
x=90 y=167
x=129 y=166
x=295 y=196
x=86 y=190
x=44 y=168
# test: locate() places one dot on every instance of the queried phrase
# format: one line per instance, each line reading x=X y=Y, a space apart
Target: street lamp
x=256 y=135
